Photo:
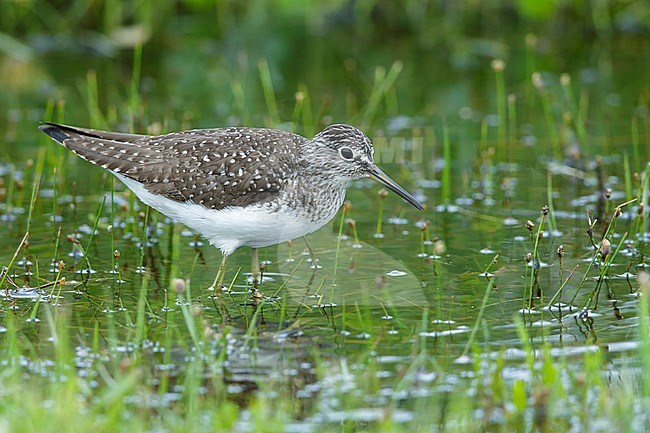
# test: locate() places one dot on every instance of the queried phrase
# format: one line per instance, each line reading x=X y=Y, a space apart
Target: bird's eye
x=346 y=153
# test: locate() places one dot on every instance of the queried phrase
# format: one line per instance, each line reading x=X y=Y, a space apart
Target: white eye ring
x=346 y=153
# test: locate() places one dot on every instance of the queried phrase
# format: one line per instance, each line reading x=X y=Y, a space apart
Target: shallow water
x=378 y=286
x=375 y=298
x=401 y=319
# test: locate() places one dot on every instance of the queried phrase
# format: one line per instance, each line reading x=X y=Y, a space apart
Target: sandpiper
x=236 y=186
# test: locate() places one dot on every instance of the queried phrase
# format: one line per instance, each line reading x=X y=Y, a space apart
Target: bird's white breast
x=256 y=226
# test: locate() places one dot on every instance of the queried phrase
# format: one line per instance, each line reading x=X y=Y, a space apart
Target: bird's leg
x=217 y=286
x=218 y=281
x=255 y=268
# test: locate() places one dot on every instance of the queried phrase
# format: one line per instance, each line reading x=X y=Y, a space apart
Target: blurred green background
x=204 y=63
x=485 y=110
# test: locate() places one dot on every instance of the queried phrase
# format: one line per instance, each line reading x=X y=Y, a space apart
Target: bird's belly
x=256 y=226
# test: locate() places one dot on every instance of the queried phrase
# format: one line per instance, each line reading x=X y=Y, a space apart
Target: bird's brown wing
x=213 y=167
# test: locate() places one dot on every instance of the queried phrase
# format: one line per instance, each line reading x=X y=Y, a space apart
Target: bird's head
x=346 y=153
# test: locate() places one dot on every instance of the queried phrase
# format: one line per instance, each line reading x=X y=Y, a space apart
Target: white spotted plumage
x=235 y=186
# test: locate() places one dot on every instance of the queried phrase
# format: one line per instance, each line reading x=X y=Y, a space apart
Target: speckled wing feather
x=213 y=167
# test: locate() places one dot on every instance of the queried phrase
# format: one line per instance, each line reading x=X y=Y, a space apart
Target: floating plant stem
x=439 y=249
x=239 y=102
x=530 y=66
x=252 y=325
x=115 y=257
x=565 y=82
x=38 y=175
x=424 y=238
x=590 y=226
x=48 y=113
x=284 y=283
x=628 y=176
x=22 y=243
x=344 y=211
x=168 y=342
x=140 y=321
x=617 y=213
x=608 y=201
x=198 y=255
x=486 y=271
x=54 y=199
x=37 y=301
x=380 y=213
x=608 y=258
x=143 y=242
x=535 y=256
x=558 y=294
x=549 y=198
x=188 y=315
x=636 y=153
x=116 y=265
x=269 y=92
x=390 y=101
x=487 y=171
x=57 y=244
x=512 y=120
x=560 y=256
x=112 y=16
x=499 y=66
x=644 y=328
x=645 y=198
x=134 y=94
x=539 y=84
x=92 y=232
x=290 y=259
x=319 y=296
x=59 y=281
x=174 y=252
x=446 y=170
x=234 y=278
x=384 y=81
x=303 y=110
x=95 y=342
x=11 y=190
x=479 y=317
x=38 y=272
x=353 y=225
x=92 y=101
x=298 y=107
x=4 y=273
x=19 y=186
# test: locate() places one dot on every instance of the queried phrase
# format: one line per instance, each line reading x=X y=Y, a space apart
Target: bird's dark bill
x=389 y=183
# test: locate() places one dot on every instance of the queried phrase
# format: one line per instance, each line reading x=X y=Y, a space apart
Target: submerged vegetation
x=516 y=301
